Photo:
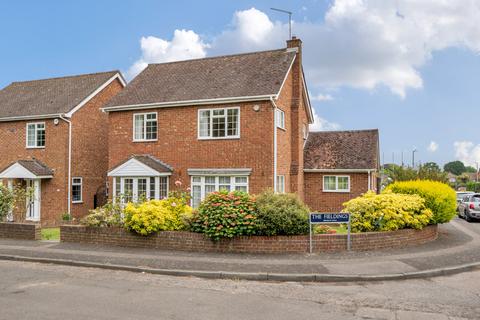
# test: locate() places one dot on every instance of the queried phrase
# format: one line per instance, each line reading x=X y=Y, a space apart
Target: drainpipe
x=69 y=163
x=274 y=145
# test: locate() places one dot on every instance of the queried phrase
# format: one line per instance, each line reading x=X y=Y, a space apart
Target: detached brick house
x=53 y=139
x=237 y=122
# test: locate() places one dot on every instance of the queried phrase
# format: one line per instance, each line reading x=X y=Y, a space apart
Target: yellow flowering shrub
x=439 y=197
x=157 y=215
x=387 y=211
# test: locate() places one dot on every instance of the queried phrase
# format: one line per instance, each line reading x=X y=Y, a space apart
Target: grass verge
x=51 y=234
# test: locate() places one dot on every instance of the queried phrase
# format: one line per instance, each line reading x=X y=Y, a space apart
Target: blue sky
x=409 y=68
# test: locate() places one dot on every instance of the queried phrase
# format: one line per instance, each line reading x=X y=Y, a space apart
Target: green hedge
x=439 y=197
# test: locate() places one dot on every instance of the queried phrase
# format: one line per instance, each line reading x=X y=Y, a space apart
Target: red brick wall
x=23 y=231
x=188 y=241
x=90 y=147
x=54 y=155
x=179 y=146
x=318 y=200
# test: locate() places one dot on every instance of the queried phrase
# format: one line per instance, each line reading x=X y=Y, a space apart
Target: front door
x=33 y=199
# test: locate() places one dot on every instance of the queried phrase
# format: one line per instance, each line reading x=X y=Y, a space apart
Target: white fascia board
x=94 y=93
x=17 y=171
x=339 y=170
x=285 y=78
x=34 y=117
x=187 y=103
x=219 y=172
x=147 y=171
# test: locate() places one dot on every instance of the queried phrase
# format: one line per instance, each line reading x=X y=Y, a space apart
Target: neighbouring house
x=339 y=166
x=53 y=140
x=236 y=122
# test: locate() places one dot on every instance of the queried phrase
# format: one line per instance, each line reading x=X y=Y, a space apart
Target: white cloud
x=362 y=44
x=185 y=44
x=467 y=152
x=321 y=124
x=433 y=146
x=321 y=97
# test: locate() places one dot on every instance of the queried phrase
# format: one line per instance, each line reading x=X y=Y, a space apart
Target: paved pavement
x=458 y=244
x=40 y=291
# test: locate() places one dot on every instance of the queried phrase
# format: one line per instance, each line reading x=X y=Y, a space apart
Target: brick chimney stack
x=296 y=168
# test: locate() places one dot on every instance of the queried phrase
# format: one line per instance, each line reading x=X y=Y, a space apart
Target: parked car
x=461 y=195
x=469 y=207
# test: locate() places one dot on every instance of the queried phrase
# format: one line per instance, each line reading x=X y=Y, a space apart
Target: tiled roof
x=241 y=75
x=356 y=149
x=36 y=167
x=49 y=96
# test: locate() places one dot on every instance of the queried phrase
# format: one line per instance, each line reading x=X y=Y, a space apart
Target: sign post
x=325 y=218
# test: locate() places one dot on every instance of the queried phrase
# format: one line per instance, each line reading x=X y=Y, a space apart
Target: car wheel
x=467 y=217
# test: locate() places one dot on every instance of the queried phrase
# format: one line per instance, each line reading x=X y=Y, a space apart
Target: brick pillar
x=296 y=168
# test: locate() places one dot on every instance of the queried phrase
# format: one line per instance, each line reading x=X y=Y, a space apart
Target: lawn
x=51 y=234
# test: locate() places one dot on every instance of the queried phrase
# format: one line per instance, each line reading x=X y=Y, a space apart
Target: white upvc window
x=336 y=183
x=137 y=189
x=203 y=185
x=280 y=115
x=145 y=126
x=36 y=135
x=219 y=123
x=281 y=184
x=77 y=186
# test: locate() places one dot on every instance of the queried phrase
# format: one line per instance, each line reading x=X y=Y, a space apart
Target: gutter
x=171 y=104
x=45 y=116
x=69 y=194
x=274 y=144
x=340 y=170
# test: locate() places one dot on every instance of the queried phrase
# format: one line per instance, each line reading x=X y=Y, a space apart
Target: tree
x=431 y=171
x=455 y=167
x=432 y=166
x=470 y=169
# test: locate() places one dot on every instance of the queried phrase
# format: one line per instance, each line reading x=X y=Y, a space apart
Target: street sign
x=324 y=218
x=329 y=217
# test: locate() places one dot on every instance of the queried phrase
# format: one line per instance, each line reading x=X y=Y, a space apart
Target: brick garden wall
x=24 y=231
x=188 y=241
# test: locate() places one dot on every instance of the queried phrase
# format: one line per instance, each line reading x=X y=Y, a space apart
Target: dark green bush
x=225 y=215
x=439 y=197
x=281 y=214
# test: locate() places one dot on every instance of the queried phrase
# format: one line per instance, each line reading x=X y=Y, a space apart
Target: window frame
x=210 y=136
x=145 y=120
x=336 y=183
x=280 y=118
x=81 y=189
x=35 y=124
x=135 y=195
x=233 y=184
x=282 y=178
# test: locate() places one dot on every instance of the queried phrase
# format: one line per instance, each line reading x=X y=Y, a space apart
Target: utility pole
x=413 y=157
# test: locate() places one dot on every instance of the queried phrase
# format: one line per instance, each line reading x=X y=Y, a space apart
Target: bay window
x=203 y=185
x=138 y=189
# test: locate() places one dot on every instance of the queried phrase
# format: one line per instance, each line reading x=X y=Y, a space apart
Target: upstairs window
x=145 y=126
x=219 y=123
x=280 y=119
x=336 y=183
x=36 y=135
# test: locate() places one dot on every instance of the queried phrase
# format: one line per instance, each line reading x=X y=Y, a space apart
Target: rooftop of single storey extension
x=240 y=75
x=49 y=96
x=354 y=149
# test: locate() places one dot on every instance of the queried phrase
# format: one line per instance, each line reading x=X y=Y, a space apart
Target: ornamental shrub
x=387 y=211
x=157 y=215
x=225 y=215
x=439 y=197
x=281 y=214
x=10 y=198
x=109 y=215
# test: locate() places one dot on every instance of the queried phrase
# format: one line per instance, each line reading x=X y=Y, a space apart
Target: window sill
x=140 y=141
x=35 y=147
x=220 y=138
x=337 y=191
x=77 y=202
